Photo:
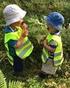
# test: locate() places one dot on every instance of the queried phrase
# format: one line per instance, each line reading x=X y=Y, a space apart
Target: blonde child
x=16 y=41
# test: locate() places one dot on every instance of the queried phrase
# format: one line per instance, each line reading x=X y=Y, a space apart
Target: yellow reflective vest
x=58 y=54
x=24 y=50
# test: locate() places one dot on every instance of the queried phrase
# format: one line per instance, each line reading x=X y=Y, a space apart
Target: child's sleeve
x=12 y=43
x=53 y=44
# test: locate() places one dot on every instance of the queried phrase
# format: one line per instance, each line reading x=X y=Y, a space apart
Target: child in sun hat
x=16 y=41
x=52 y=55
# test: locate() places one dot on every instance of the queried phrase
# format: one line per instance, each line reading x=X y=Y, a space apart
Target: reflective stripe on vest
x=58 y=54
x=58 y=58
x=24 y=50
x=58 y=62
x=45 y=55
x=10 y=59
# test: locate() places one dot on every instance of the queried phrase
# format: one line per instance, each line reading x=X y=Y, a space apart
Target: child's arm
x=49 y=47
x=20 y=41
x=24 y=34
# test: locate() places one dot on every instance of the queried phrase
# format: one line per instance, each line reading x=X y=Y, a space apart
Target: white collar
x=57 y=33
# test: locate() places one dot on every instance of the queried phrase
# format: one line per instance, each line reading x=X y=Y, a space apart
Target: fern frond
x=2 y=80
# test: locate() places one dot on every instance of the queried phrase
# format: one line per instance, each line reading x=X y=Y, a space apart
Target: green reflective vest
x=58 y=54
x=24 y=50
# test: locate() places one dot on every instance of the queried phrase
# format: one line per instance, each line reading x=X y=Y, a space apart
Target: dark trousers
x=18 y=64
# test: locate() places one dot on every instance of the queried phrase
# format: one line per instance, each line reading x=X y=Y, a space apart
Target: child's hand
x=24 y=34
x=41 y=42
x=45 y=43
x=24 y=28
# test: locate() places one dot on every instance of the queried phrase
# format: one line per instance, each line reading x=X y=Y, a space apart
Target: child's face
x=50 y=29
x=13 y=25
x=20 y=23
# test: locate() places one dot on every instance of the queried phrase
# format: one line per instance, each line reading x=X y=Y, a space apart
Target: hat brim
x=16 y=18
